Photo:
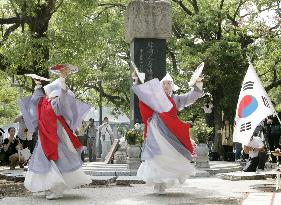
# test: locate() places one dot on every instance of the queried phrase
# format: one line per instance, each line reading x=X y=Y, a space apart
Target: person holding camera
x=11 y=147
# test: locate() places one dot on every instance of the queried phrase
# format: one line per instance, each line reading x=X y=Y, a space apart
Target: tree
x=8 y=100
x=90 y=34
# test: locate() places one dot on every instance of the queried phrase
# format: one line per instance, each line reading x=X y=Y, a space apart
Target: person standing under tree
x=227 y=140
x=91 y=141
x=106 y=137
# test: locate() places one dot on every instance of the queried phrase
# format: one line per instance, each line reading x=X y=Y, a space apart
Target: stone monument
x=147 y=26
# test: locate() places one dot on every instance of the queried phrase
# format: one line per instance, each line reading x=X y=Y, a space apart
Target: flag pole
x=276 y=114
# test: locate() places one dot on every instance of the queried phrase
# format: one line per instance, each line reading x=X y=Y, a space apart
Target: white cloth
x=54 y=89
x=169 y=167
x=154 y=90
x=106 y=145
x=54 y=180
x=106 y=131
x=208 y=109
x=256 y=142
x=168 y=77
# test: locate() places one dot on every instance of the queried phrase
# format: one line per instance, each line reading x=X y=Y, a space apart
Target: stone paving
x=263 y=199
x=207 y=187
x=199 y=191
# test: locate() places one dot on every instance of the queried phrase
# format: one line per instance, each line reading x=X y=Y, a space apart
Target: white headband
x=168 y=77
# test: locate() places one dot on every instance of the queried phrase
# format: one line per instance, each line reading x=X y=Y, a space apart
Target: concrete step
x=103 y=180
x=127 y=180
x=236 y=176
x=262 y=199
x=110 y=173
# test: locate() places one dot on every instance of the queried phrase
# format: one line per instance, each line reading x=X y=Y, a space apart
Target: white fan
x=141 y=76
x=56 y=69
x=37 y=77
x=196 y=75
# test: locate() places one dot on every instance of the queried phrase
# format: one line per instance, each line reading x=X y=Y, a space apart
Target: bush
x=200 y=131
x=135 y=135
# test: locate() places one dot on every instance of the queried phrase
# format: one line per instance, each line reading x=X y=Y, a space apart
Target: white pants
x=106 y=145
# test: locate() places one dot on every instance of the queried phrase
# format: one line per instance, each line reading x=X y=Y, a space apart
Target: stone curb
x=105 y=180
x=127 y=180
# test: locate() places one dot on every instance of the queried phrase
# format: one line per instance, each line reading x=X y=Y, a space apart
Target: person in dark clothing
x=273 y=133
x=11 y=146
x=2 y=153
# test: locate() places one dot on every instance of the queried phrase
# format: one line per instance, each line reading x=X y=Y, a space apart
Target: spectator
x=22 y=131
x=106 y=137
x=82 y=136
x=2 y=153
x=91 y=140
x=273 y=133
x=238 y=150
x=11 y=147
x=209 y=115
x=227 y=141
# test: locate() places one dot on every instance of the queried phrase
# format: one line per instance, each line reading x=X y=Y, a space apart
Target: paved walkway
x=263 y=199
x=199 y=191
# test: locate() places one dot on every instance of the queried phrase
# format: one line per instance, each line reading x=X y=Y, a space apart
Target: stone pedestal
x=133 y=159
x=148 y=19
x=120 y=157
x=202 y=159
x=147 y=26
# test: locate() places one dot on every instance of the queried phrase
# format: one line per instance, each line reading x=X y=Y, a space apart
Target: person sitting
x=11 y=147
x=2 y=153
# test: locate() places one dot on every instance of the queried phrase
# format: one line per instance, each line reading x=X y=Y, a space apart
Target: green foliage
x=200 y=131
x=135 y=135
x=8 y=100
x=90 y=34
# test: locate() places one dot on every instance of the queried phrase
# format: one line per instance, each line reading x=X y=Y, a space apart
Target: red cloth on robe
x=47 y=125
x=174 y=124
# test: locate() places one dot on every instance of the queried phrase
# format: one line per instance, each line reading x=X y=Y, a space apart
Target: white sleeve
x=152 y=94
x=109 y=129
x=187 y=99
x=260 y=144
x=63 y=85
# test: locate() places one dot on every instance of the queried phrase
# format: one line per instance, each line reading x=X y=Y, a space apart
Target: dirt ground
x=11 y=188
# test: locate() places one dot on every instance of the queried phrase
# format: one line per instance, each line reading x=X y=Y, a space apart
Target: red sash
x=47 y=125
x=174 y=124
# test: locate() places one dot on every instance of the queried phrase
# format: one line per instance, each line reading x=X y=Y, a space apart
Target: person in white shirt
x=254 y=147
x=106 y=137
x=209 y=115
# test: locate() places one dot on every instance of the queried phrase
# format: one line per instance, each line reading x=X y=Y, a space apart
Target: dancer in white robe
x=56 y=161
x=167 y=149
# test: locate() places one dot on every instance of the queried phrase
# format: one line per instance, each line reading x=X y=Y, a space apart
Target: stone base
x=120 y=157
x=237 y=176
x=202 y=164
x=127 y=180
x=103 y=180
x=133 y=163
